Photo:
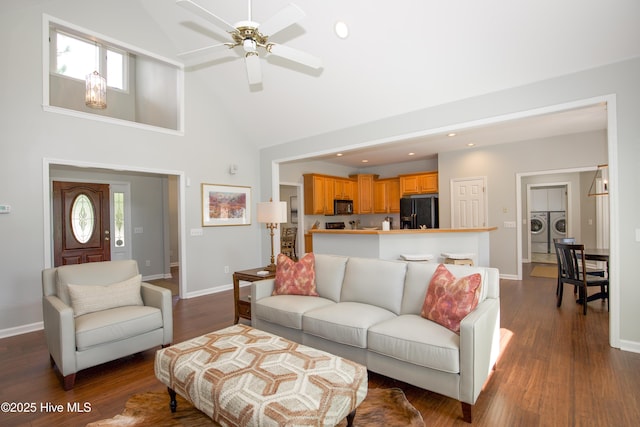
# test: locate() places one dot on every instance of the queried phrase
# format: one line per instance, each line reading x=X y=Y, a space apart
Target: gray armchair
x=80 y=335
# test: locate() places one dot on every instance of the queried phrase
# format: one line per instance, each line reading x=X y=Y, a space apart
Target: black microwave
x=342 y=207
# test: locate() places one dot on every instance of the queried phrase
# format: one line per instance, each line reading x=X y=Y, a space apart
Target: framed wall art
x=225 y=205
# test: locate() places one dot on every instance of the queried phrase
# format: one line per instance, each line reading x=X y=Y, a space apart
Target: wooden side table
x=242 y=306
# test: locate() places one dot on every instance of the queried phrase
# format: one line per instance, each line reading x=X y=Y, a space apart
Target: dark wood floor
x=556 y=369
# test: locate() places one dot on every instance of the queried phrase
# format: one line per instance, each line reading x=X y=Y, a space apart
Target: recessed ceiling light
x=341 y=29
x=412 y=154
x=339 y=154
x=471 y=144
x=451 y=134
x=365 y=161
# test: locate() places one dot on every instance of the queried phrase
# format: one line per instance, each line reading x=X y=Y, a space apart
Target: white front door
x=468 y=202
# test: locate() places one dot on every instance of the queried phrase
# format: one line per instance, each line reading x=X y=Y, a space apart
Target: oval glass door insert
x=82 y=218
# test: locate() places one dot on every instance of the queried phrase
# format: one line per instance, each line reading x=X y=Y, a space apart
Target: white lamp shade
x=272 y=212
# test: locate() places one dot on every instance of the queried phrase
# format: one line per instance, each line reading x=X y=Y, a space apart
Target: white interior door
x=469 y=202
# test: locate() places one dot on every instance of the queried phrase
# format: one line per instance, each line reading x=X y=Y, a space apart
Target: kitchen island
x=392 y=244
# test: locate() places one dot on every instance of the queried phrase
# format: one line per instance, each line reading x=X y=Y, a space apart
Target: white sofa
x=78 y=342
x=369 y=311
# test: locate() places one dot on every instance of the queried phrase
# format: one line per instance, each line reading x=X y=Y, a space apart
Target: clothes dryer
x=540 y=232
x=558 y=224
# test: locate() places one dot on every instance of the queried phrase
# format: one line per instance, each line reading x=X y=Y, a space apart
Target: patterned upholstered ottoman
x=240 y=376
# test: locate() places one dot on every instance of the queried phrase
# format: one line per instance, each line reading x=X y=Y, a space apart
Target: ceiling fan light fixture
x=249 y=45
x=342 y=29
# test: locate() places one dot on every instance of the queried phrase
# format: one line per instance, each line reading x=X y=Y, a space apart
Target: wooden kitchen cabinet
x=420 y=183
x=329 y=194
x=318 y=194
x=363 y=203
x=321 y=190
x=386 y=195
x=344 y=189
x=393 y=195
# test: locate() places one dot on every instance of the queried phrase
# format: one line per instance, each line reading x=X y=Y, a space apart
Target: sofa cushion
x=330 y=275
x=89 y=298
x=287 y=310
x=376 y=282
x=414 y=339
x=449 y=299
x=295 y=278
x=115 y=324
x=344 y=322
x=416 y=283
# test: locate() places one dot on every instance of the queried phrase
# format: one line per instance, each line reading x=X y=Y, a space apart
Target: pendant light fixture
x=96 y=87
x=600 y=183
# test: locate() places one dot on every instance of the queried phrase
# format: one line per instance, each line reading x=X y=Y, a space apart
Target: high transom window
x=76 y=57
x=143 y=89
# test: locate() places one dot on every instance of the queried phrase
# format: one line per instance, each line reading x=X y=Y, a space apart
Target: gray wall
x=500 y=164
x=619 y=79
x=28 y=135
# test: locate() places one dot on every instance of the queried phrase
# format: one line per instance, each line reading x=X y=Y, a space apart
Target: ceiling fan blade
x=254 y=72
x=205 y=50
x=204 y=13
x=287 y=16
x=203 y=54
x=295 y=55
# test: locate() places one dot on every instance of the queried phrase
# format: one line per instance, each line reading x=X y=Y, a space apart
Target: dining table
x=598 y=254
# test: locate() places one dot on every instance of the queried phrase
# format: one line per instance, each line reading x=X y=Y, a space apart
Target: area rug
x=386 y=407
x=550 y=272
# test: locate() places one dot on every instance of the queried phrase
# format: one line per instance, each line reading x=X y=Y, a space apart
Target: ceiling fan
x=252 y=35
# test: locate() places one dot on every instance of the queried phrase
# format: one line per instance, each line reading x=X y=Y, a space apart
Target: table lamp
x=272 y=213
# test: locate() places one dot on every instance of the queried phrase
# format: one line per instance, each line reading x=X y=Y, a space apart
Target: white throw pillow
x=90 y=298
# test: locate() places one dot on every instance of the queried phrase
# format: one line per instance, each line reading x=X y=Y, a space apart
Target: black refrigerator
x=419 y=210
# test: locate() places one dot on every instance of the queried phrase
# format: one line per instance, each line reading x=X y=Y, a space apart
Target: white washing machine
x=557 y=224
x=540 y=232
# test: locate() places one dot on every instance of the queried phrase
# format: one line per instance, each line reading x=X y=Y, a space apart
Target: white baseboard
x=509 y=276
x=155 y=277
x=19 y=330
x=208 y=291
x=631 y=346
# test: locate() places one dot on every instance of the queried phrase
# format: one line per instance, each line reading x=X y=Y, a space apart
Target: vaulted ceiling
x=399 y=56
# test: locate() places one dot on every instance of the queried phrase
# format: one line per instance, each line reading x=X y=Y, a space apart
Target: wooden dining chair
x=288 y=242
x=574 y=272
x=556 y=241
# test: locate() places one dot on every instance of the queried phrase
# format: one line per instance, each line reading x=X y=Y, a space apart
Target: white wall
x=618 y=83
x=28 y=135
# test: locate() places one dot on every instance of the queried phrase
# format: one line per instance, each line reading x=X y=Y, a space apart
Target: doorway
x=292 y=194
x=168 y=212
x=548 y=218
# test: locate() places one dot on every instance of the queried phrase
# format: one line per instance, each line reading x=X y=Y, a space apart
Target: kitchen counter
x=392 y=244
x=406 y=231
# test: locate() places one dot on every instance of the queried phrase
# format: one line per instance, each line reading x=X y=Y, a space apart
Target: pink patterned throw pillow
x=296 y=278
x=449 y=299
